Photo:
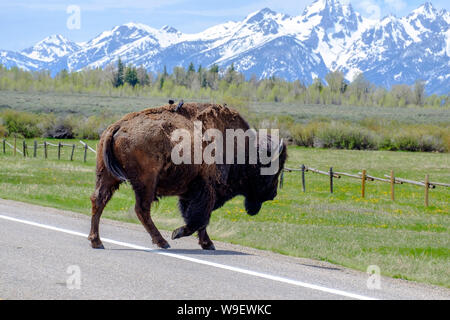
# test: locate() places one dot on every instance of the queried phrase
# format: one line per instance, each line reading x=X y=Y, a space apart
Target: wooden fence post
x=4 y=146
x=331 y=179
x=363 y=184
x=15 y=144
x=71 y=155
x=427 y=185
x=281 y=179
x=24 y=149
x=392 y=185
x=45 y=149
x=59 y=150
x=35 y=149
x=303 y=178
x=85 y=151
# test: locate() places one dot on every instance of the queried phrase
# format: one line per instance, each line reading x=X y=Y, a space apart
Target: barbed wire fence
x=364 y=177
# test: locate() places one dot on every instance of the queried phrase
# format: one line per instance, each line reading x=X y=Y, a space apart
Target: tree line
x=216 y=84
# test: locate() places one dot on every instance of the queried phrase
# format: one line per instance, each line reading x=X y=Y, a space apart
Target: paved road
x=44 y=251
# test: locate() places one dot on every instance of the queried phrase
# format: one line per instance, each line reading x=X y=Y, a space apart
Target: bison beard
x=252 y=207
x=138 y=148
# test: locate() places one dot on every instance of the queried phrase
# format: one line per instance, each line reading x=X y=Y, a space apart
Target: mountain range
x=327 y=36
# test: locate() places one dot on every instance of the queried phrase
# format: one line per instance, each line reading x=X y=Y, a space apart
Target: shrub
x=92 y=127
x=342 y=136
x=306 y=135
x=88 y=129
x=3 y=131
x=280 y=123
x=371 y=134
x=417 y=142
x=22 y=123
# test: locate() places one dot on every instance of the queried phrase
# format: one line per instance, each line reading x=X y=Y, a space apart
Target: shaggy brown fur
x=138 y=148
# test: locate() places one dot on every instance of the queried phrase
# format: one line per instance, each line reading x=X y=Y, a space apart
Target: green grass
x=94 y=104
x=330 y=126
x=404 y=238
x=304 y=113
x=75 y=103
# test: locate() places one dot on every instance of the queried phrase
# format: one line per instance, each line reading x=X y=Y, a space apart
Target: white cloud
x=369 y=8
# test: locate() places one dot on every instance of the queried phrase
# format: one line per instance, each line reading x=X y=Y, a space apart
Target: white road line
x=199 y=261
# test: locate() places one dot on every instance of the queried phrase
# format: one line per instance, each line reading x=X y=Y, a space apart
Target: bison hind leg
x=145 y=195
x=104 y=190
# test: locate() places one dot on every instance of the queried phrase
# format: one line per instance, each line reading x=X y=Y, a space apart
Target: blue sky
x=24 y=22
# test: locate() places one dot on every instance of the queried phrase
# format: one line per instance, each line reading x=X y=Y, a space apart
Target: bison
x=138 y=149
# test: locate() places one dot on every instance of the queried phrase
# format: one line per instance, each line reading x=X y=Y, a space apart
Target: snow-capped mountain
x=402 y=50
x=51 y=48
x=326 y=36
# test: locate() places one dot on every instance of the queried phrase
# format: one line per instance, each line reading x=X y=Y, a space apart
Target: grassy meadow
x=404 y=238
x=85 y=116
x=88 y=104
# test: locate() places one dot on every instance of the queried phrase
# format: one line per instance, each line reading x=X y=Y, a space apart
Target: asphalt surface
x=45 y=254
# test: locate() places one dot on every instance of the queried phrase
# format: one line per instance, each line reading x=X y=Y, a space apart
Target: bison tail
x=110 y=160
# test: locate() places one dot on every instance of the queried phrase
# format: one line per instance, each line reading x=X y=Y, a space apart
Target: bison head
x=263 y=187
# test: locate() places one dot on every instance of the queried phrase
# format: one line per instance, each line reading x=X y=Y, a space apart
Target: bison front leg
x=196 y=207
x=204 y=241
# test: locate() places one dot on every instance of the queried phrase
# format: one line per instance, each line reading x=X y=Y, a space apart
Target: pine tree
x=214 y=68
x=204 y=82
x=191 y=68
x=119 y=76
x=131 y=76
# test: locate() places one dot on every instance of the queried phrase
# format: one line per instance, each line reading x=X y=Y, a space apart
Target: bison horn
x=280 y=149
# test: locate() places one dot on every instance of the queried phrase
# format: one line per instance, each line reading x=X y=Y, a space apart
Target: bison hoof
x=208 y=246
x=178 y=233
x=97 y=245
x=164 y=245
